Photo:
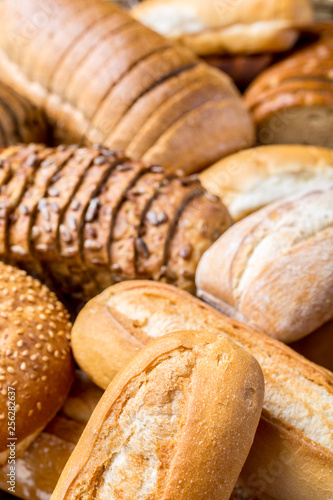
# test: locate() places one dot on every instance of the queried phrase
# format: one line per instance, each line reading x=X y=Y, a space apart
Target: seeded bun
x=35 y=357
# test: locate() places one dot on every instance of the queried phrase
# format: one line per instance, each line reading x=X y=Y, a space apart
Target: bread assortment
x=36 y=367
x=85 y=218
x=284 y=246
x=293 y=446
x=256 y=177
x=152 y=409
x=295 y=92
x=136 y=72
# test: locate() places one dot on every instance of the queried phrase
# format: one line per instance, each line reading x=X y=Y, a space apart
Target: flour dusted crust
x=140 y=437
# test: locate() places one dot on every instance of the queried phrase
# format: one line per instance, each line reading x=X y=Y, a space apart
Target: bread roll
x=293 y=451
x=246 y=27
x=84 y=218
x=291 y=102
x=190 y=394
x=20 y=120
x=36 y=369
x=274 y=269
x=51 y=61
x=251 y=179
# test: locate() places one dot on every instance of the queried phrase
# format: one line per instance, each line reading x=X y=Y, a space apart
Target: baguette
x=287 y=245
x=251 y=179
x=190 y=394
x=295 y=91
x=293 y=451
x=248 y=27
x=36 y=363
x=53 y=64
x=84 y=218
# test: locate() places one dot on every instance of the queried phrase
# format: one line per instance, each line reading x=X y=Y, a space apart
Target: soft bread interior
x=291 y=394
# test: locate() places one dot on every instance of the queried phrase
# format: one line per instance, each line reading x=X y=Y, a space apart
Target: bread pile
x=20 y=120
x=240 y=37
x=85 y=218
x=148 y=96
x=295 y=92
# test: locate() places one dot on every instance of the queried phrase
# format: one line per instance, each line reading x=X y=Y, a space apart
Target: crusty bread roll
x=293 y=451
x=20 y=120
x=84 y=218
x=178 y=422
x=274 y=269
x=36 y=367
x=54 y=62
x=251 y=179
x=245 y=26
x=291 y=102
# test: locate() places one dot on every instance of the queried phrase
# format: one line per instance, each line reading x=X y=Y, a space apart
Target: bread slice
x=138 y=442
x=292 y=453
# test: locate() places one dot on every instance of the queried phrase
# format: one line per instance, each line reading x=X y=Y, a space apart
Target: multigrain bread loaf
x=189 y=394
x=274 y=269
x=136 y=72
x=242 y=27
x=293 y=450
x=36 y=367
x=20 y=120
x=39 y=467
x=291 y=102
x=251 y=179
x=86 y=218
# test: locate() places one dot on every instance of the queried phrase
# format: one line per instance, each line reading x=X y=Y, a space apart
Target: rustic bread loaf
x=274 y=269
x=86 y=218
x=245 y=26
x=52 y=62
x=190 y=394
x=293 y=450
x=251 y=179
x=20 y=120
x=36 y=368
x=291 y=102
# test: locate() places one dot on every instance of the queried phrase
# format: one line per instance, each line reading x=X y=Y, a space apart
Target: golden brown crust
x=196 y=376
x=298 y=392
x=36 y=362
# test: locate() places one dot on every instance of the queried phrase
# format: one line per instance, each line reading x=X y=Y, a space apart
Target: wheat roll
x=36 y=362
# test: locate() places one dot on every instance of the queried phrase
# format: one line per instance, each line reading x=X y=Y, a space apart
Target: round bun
x=36 y=366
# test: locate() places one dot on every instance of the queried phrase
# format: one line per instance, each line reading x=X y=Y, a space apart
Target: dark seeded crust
x=174 y=109
x=77 y=55
x=147 y=104
x=22 y=218
x=100 y=216
x=161 y=64
x=127 y=222
x=123 y=58
x=64 y=39
x=10 y=160
x=153 y=231
x=29 y=159
x=201 y=222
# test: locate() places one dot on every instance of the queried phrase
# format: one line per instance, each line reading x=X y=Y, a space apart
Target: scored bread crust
x=246 y=27
x=253 y=178
x=284 y=246
x=195 y=376
x=293 y=449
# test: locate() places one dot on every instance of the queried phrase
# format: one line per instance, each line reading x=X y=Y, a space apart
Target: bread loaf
x=292 y=454
x=190 y=394
x=53 y=62
x=86 y=218
x=251 y=179
x=36 y=368
x=242 y=27
x=291 y=102
x=274 y=269
x=20 y=120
